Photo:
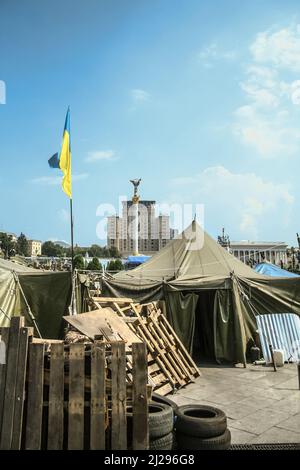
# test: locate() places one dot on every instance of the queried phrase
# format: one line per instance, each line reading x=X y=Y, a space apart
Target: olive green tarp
x=190 y=266
x=47 y=294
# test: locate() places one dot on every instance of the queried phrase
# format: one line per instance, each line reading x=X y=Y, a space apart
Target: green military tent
x=42 y=297
x=211 y=297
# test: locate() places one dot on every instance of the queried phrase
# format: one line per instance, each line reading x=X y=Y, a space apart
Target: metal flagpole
x=72 y=237
x=73 y=303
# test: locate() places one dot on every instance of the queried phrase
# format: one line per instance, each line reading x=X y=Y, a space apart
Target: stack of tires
x=201 y=427
x=161 y=426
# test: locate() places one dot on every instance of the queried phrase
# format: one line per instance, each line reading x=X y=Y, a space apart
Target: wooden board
x=4 y=340
x=140 y=429
x=10 y=383
x=35 y=397
x=76 y=397
x=25 y=334
x=119 y=300
x=56 y=398
x=118 y=397
x=183 y=349
x=98 y=399
x=95 y=322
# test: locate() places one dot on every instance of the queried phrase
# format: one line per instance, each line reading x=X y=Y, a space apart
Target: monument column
x=135 y=214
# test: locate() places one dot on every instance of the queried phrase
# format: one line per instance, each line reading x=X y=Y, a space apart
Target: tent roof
x=6 y=265
x=270 y=269
x=193 y=254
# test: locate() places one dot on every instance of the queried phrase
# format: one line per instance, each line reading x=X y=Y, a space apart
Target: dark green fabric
x=224 y=326
x=48 y=295
x=146 y=291
x=204 y=325
x=181 y=314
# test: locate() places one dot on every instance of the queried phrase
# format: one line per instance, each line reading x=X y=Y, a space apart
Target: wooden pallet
x=70 y=397
x=170 y=366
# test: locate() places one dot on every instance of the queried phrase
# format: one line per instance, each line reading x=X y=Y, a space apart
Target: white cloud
x=266 y=121
x=208 y=52
x=56 y=180
x=100 y=155
x=139 y=95
x=212 y=52
x=262 y=97
x=2 y=92
x=280 y=48
x=239 y=199
x=268 y=135
x=81 y=176
x=292 y=91
x=47 y=180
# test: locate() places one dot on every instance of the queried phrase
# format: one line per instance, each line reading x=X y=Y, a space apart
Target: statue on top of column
x=136 y=184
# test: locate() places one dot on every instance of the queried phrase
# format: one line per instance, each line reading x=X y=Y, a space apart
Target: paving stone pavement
x=262 y=406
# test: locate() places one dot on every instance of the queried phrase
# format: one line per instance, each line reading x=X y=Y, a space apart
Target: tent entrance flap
x=203 y=344
x=214 y=335
x=205 y=323
x=181 y=314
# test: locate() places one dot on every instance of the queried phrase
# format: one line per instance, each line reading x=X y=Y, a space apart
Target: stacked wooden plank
x=57 y=396
x=170 y=366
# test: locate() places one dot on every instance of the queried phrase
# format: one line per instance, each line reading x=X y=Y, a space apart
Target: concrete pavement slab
x=276 y=435
x=291 y=424
x=260 y=421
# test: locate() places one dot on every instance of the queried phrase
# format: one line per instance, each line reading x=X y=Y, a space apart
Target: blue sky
x=199 y=99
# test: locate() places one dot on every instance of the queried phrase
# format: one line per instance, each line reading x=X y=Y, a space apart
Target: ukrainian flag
x=63 y=160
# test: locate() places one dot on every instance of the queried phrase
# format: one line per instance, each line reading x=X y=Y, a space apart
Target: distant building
x=34 y=247
x=259 y=252
x=154 y=232
x=252 y=253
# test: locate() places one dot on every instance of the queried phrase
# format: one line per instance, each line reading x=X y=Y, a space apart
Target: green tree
x=77 y=251
x=22 y=245
x=8 y=247
x=94 y=265
x=96 y=251
x=51 y=249
x=105 y=252
x=114 y=252
x=78 y=262
x=115 y=265
x=119 y=266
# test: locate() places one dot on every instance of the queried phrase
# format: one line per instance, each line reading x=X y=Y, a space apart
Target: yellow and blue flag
x=63 y=160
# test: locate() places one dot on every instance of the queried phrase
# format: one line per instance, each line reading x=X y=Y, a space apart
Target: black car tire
x=161 y=419
x=186 y=442
x=200 y=421
x=167 y=401
x=167 y=442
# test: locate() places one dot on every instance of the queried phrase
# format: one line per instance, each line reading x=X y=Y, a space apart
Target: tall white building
x=154 y=232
